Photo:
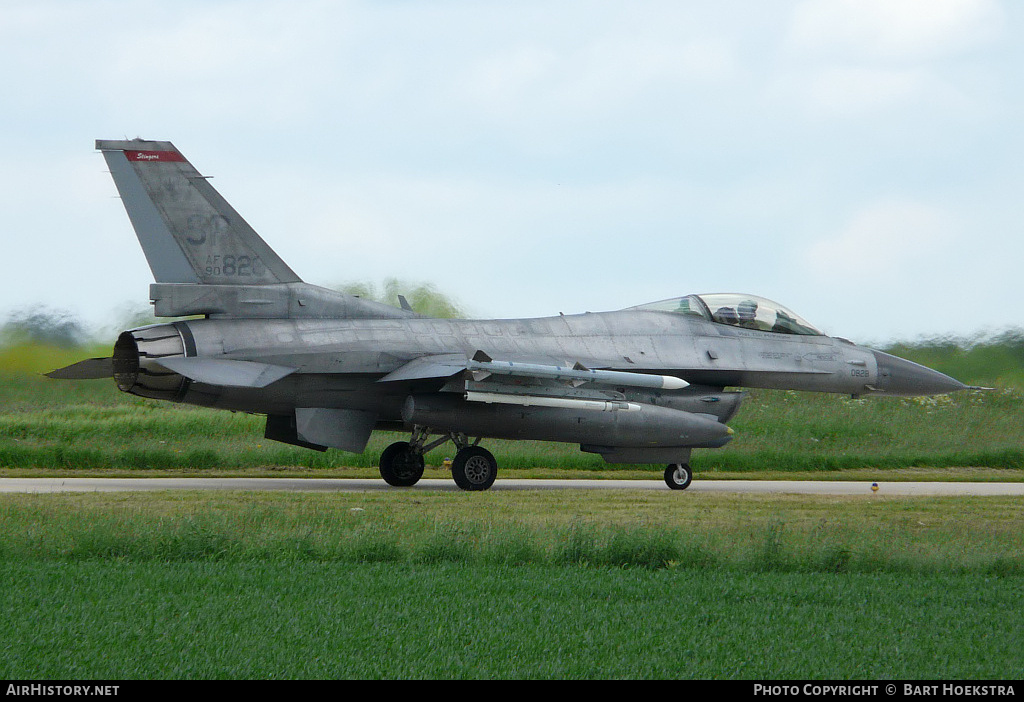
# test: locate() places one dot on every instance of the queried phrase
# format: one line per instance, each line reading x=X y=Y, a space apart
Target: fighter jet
x=645 y=384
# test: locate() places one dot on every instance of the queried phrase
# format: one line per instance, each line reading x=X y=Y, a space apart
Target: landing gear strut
x=474 y=467
x=678 y=476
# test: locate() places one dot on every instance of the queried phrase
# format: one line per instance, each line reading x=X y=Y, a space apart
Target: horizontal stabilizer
x=90 y=369
x=218 y=371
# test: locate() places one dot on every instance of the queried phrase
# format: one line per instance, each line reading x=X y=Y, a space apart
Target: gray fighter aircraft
x=645 y=384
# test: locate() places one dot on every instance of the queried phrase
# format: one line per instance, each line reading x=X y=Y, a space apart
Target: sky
x=859 y=161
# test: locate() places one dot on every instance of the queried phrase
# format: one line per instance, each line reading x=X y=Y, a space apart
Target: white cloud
x=854 y=92
x=862 y=59
x=542 y=84
x=893 y=30
x=883 y=239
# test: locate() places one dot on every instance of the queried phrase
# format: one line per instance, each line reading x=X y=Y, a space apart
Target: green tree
x=42 y=325
x=424 y=298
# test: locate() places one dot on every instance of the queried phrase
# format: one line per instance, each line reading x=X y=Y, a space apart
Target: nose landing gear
x=678 y=476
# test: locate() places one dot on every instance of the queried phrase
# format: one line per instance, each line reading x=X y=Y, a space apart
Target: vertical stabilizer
x=189 y=233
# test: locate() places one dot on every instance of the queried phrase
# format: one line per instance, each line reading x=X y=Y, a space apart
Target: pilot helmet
x=747 y=308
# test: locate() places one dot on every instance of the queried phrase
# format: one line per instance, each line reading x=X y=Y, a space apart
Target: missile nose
x=898 y=376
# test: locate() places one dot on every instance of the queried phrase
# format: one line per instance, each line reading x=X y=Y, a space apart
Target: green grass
x=88 y=425
x=203 y=620
x=654 y=530
x=811 y=432
x=509 y=585
x=992 y=360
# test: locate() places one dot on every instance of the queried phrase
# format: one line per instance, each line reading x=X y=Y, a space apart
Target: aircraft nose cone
x=898 y=376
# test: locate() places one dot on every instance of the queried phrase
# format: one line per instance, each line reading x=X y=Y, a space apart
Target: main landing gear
x=474 y=467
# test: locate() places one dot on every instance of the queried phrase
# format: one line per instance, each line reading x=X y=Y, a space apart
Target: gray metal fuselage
x=340 y=362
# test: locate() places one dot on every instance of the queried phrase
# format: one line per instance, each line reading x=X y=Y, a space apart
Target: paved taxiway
x=805 y=487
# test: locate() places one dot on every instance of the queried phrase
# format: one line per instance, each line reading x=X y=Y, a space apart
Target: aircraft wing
x=533 y=384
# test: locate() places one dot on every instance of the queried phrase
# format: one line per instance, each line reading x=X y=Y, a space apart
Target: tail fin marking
x=188 y=232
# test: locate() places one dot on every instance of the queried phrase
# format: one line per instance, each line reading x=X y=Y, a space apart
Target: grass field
x=89 y=425
x=512 y=584
x=98 y=428
x=202 y=620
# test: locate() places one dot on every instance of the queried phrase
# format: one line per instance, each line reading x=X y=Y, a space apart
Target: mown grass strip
x=751 y=534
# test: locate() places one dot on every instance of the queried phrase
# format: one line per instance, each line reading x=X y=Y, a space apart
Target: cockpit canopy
x=746 y=311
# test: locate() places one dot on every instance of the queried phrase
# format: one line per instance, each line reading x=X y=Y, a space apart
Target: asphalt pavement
x=803 y=487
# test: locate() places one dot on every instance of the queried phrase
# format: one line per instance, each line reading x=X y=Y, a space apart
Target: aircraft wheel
x=678 y=476
x=474 y=468
x=400 y=465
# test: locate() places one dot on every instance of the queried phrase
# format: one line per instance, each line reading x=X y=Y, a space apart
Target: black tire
x=474 y=468
x=400 y=465
x=678 y=476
